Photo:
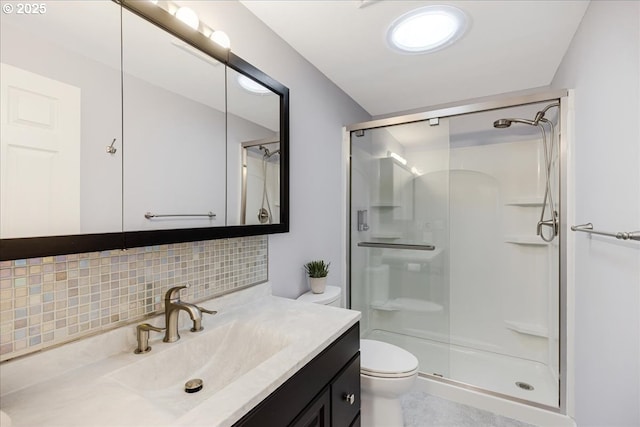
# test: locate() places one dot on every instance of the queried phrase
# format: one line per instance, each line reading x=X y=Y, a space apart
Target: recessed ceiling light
x=427 y=29
x=252 y=85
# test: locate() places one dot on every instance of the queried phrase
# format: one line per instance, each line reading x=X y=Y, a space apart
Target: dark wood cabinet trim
x=282 y=406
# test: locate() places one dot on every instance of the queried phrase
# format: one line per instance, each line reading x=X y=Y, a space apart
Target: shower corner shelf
x=407 y=304
x=525 y=240
x=524 y=201
x=527 y=328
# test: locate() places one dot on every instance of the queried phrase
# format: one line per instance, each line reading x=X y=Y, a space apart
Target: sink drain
x=193 y=386
x=524 y=386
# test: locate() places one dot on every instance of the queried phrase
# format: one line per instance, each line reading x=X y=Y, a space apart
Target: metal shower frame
x=475 y=106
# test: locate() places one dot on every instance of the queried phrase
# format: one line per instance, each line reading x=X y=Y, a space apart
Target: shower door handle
x=396 y=246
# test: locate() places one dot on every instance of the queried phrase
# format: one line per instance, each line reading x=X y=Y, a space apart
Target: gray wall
x=319 y=109
x=603 y=66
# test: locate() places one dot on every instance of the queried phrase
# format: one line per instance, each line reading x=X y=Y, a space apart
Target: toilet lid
x=379 y=358
x=330 y=294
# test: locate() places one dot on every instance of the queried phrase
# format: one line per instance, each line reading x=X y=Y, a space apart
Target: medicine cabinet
x=123 y=127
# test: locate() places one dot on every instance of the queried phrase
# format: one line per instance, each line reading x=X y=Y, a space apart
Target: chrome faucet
x=172 y=307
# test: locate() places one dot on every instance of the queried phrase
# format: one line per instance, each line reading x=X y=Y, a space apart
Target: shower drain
x=524 y=386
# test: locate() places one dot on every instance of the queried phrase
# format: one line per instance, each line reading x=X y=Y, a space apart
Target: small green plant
x=317 y=269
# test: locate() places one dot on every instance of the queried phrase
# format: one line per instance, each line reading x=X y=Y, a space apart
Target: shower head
x=505 y=123
x=502 y=123
x=267 y=152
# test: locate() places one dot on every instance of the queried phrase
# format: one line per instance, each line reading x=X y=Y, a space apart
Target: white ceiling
x=510 y=46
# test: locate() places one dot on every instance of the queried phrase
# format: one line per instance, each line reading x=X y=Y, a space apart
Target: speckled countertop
x=98 y=381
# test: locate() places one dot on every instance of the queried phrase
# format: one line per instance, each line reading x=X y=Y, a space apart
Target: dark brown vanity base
x=325 y=392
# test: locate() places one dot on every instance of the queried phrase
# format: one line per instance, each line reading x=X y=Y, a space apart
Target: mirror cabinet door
x=253 y=152
x=61 y=111
x=174 y=131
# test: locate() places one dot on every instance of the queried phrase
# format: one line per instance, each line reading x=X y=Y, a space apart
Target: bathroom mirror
x=174 y=131
x=254 y=154
x=171 y=172
x=260 y=198
x=61 y=131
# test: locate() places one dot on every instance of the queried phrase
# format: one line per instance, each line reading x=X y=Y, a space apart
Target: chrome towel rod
x=396 y=246
x=622 y=235
x=150 y=215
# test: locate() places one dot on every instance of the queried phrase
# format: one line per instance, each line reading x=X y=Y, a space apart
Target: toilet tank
x=330 y=296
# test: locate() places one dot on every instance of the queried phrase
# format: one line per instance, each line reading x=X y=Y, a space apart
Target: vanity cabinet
x=325 y=392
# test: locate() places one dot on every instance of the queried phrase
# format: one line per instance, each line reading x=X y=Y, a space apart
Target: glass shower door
x=445 y=257
x=400 y=238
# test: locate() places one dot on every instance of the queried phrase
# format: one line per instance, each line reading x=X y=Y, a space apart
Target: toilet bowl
x=386 y=373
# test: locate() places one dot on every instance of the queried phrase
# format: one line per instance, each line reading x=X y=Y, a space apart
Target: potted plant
x=317 y=272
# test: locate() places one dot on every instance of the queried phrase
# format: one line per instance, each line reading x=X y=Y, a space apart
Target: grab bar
x=150 y=215
x=396 y=246
x=621 y=235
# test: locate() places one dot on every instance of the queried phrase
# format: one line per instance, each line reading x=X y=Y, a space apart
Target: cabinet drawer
x=345 y=395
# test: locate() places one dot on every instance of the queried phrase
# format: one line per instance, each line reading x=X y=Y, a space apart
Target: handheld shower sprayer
x=540 y=121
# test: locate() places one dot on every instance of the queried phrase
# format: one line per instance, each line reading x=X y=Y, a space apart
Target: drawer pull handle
x=349 y=397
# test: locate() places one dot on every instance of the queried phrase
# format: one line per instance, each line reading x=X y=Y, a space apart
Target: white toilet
x=386 y=372
x=330 y=296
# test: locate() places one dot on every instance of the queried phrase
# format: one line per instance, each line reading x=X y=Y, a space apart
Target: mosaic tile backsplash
x=51 y=300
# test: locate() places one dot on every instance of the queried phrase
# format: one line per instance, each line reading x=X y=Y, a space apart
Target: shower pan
x=460 y=261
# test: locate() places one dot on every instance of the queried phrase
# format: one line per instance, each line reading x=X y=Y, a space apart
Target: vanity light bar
x=190 y=18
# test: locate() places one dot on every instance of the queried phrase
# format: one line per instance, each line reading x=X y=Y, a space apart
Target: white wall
x=319 y=109
x=603 y=65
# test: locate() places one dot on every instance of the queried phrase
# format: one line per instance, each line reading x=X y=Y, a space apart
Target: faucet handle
x=204 y=310
x=174 y=293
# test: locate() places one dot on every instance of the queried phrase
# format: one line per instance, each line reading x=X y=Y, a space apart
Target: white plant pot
x=317 y=284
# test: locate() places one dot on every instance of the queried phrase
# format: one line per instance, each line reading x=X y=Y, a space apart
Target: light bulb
x=189 y=17
x=221 y=38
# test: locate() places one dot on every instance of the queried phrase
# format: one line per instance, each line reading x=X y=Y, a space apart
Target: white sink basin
x=217 y=356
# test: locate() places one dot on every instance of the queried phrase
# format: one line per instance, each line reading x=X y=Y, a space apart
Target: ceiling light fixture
x=252 y=86
x=427 y=29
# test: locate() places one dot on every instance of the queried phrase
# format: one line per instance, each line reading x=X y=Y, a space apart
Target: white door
x=39 y=155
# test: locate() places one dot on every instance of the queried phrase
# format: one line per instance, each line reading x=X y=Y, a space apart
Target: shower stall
x=260 y=203
x=456 y=241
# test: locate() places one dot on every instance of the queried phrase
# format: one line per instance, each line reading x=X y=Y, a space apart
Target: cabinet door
x=174 y=131
x=316 y=414
x=61 y=107
x=345 y=395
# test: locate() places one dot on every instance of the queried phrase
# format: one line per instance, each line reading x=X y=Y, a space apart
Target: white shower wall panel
x=499 y=289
